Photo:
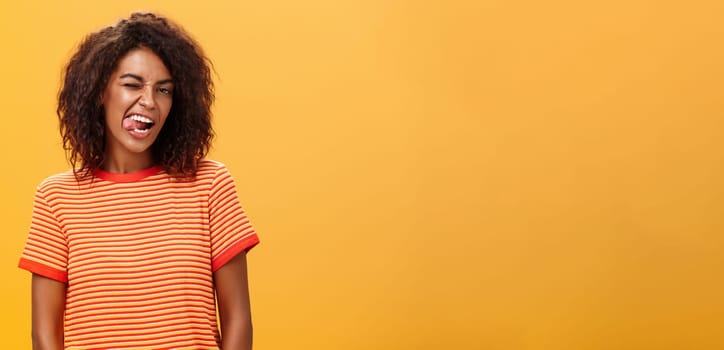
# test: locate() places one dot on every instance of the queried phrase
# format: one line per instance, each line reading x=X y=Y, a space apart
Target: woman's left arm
x=232 y=292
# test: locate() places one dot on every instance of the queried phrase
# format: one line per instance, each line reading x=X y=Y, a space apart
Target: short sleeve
x=46 y=249
x=230 y=229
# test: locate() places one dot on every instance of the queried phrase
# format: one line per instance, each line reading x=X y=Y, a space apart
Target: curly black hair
x=185 y=137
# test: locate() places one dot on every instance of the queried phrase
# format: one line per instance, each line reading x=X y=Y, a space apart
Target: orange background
x=435 y=174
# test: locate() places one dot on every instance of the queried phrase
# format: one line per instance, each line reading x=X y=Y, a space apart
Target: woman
x=128 y=249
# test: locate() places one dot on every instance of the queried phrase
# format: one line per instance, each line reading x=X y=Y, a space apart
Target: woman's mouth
x=137 y=124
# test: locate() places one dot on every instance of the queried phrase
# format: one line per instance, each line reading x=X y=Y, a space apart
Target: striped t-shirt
x=138 y=252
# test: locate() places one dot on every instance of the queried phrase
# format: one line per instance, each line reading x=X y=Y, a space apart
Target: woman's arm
x=48 y=299
x=232 y=292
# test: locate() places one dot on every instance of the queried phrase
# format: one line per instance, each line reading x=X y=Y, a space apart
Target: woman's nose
x=146 y=100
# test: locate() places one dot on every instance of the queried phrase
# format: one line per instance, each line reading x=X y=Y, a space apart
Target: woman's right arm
x=48 y=312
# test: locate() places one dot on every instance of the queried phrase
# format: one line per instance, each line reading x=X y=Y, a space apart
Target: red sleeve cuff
x=42 y=270
x=243 y=245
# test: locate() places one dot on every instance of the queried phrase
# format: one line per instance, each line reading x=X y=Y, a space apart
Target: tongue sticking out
x=130 y=124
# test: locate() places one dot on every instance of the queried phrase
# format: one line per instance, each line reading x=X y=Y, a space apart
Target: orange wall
x=436 y=175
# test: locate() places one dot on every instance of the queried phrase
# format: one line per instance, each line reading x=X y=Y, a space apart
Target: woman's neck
x=125 y=165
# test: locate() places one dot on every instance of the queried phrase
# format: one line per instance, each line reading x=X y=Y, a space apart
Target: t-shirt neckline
x=127 y=177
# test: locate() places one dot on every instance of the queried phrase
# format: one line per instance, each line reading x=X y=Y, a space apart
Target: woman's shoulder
x=211 y=166
x=60 y=180
x=210 y=171
x=207 y=163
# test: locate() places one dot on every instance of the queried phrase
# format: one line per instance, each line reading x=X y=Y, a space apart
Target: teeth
x=140 y=118
x=141 y=131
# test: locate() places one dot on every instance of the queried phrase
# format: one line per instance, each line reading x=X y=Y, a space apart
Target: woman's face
x=137 y=100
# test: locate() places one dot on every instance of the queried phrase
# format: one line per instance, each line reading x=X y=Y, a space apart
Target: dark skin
x=232 y=293
x=48 y=298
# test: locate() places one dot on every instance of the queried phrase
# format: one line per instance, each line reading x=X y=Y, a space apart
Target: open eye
x=165 y=90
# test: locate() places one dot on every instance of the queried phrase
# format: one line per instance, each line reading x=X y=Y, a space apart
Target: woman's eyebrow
x=129 y=75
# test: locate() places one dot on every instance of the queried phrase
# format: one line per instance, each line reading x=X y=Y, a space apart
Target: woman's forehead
x=142 y=63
